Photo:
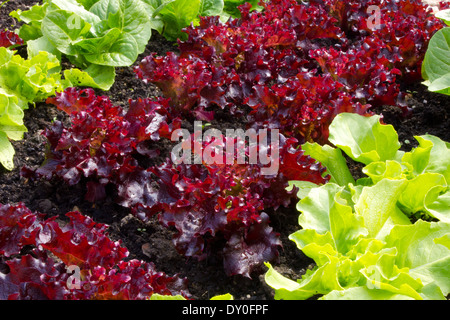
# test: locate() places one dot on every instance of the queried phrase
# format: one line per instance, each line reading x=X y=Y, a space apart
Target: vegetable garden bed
x=202 y=260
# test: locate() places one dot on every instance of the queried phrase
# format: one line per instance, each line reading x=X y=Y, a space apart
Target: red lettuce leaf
x=81 y=242
x=9 y=38
x=131 y=280
x=244 y=252
x=33 y=277
x=16 y=224
x=405 y=28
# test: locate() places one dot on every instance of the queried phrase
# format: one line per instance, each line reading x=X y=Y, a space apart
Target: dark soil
x=152 y=242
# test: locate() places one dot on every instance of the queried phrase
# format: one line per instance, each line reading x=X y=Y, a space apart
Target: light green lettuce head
x=385 y=236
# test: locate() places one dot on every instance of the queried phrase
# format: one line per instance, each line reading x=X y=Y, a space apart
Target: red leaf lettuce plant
x=206 y=203
x=38 y=258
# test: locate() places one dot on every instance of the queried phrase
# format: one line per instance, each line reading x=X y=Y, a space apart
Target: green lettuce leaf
x=429 y=292
x=418 y=251
x=432 y=155
x=436 y=63
x=211 y=8
x=320 y=281
x=376 y=253
x=78 y=8
x=112 y=49
x=129 y=16
x=157 y=296
x=445 y=240
x=444 y=15
x=153 y=7
x=42 y=44
x=422 y=191
x=32 y=18
x=6 y=152
x=11 y=126
x=328 y=214
x=364 y=139
x=440 y=208
x=94 y=76
x=91 y=33
x=425 y=169
x=333 y=160
x=64 y=29
x=303 y=187
x=361 y=234
x=11 y=110
x=23 y=81
x=378 y=207
x=178 y=14
x=231 y=6
x=32 y=79
x=380 y=170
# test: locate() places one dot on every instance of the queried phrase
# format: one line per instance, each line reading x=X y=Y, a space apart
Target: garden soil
x=151 y=241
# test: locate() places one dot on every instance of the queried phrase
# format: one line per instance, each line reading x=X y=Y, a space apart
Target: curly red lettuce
x=207 y=203
x=36 y=253
x=256 y=61
x=9 y=38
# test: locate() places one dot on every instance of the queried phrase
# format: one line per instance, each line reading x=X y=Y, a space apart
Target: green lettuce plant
x=95 y=35
x=383 y=236
x=436 y=64
x=157 y=296
x=23 y=81
x=174 y=15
